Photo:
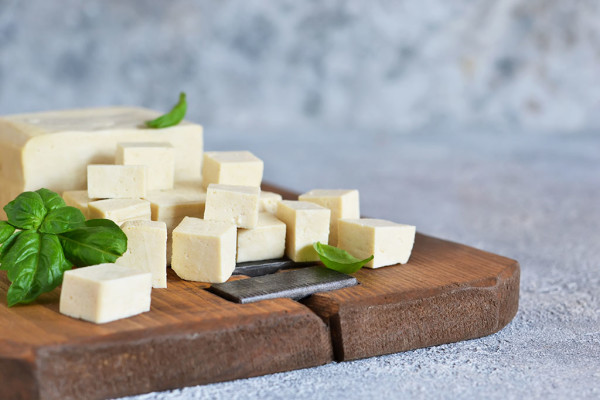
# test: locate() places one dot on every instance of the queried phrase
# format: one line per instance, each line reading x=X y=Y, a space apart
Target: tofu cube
x=117 y=181
x=203 y=250
x=120 y=210
x=184 y=200
x=235 y=204
x=268 y=201
x=390 y=243
x=306 y=223
x=158 y=157
x=146 y=249
x=342 y=203
x=263 y=242
x=232 y=168
x=78 y=199
x=105 y=292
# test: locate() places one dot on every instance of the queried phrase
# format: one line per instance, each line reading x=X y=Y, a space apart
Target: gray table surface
x=532 y=198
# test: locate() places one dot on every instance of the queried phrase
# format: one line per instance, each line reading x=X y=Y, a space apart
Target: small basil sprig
x=338 y=259
x=44 y=237
x=171 y=118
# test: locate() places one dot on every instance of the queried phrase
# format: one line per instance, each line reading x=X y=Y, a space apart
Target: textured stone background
x=377 y=65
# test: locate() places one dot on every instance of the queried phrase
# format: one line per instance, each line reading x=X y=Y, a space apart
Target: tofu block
x=390 y=243
x=263 y=242
x=342 y=203
x=53 y=149
x=146 y=249
x=117 y=181
x=203 y=250
x=184 y=200
x=78 y=199
x=159 y=158
x=306 y=224
x=232 y=168
x=120 y=210
x=105 y=292
x=268 y=202
x=235 y=204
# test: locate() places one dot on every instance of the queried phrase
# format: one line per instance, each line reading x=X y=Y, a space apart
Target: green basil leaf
x=27 y=211
x=91 y=245
x=51 y=200
x=173 y=117
x=36 y=265
x=338 y=259
x=6 y=230
x=62 y=219
x=6 y=246
x=102 y=222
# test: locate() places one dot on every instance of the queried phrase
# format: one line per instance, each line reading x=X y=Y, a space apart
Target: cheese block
x=232 y=168
x=120 y=210
x=78 y=199
x=389 y=243
x=159 y=158
x=306 y=223
x=268 y=201
x=263 y=242
x=53 y=149
x=117 y=181
x=146 y=249
x=234 y=204
x=342 y=203
x=105 y=292
x=204 y=250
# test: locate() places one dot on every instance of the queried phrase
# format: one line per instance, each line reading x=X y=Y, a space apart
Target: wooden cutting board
x=446 y=293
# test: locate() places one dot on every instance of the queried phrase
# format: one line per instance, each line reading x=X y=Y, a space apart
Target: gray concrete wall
x=248 y=65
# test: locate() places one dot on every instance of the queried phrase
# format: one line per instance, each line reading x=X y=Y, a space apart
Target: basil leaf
x=6 y=230
x=173 y=117
x=338 y=259
x=62 y=219
x=36 y=264
x=26 y=211
x=51 y=200
x=6 y=247
x=102 y=222
x=93 y=244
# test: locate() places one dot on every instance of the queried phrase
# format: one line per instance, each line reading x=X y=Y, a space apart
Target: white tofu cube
x=235 y=204
x=158 y=157
x=342 y=203
x=78 y=199
x=203 y=250
x=390 y=243
x=105 y=292
x=182 y=201
x=306 y=224
x=146 y=249
x=120 y=210
x=117 y=181
x=268 y=202
x=263 y=242
x=232 y=168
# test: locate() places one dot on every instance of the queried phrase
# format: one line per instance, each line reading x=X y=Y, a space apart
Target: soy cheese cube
x=306 y=223
x=232 y=168
x=342 y=203
x=390 y=243
x=105 y=292
x=78 y=199
x=158 y=157
x=263 y=242
x=178 y=202
x=203 y=250
x=146 y=249
x=53 y=149
x=120 y=210
x=117 y=181
x=235 y=204
x=268 y=201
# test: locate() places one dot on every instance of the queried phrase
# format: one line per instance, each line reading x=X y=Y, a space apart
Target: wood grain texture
x=447 y=292
x=189 y=337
